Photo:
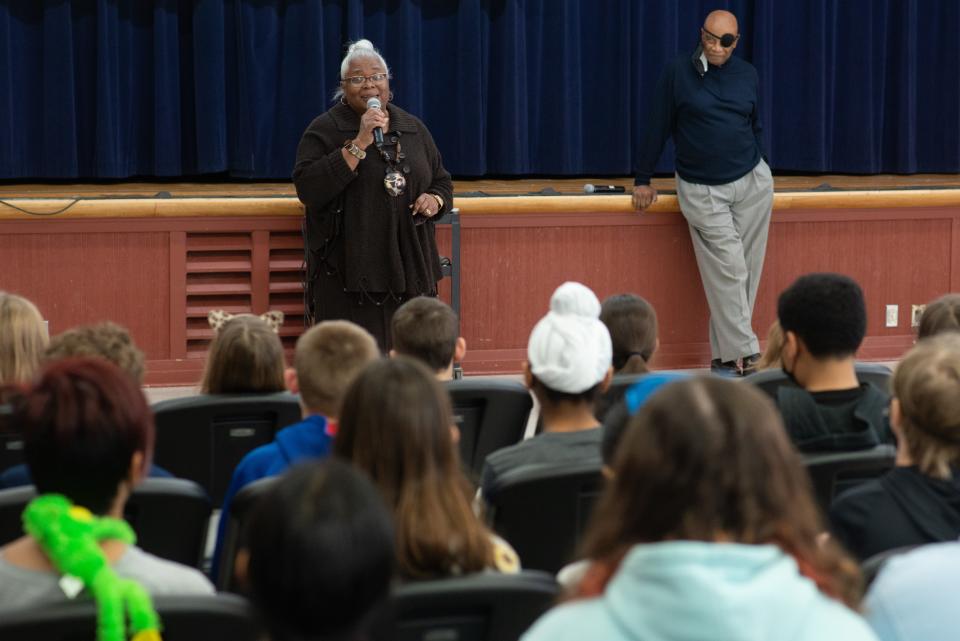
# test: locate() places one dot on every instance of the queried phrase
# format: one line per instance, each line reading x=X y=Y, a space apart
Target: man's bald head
x=721 y=22
x=717 y=25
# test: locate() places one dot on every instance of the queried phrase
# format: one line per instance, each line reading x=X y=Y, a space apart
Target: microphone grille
x=373 y=103
x=589 y=189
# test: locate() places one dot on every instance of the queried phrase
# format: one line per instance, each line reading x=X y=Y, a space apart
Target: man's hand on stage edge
x=643 y=196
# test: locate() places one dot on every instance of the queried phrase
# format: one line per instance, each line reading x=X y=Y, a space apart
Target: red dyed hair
x=82 y=422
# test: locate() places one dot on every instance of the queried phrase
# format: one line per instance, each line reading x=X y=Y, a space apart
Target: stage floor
x=463 y=188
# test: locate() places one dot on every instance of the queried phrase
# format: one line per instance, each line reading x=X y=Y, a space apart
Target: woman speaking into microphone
x=372 y=181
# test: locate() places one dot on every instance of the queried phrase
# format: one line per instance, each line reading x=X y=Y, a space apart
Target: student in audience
x=942 y=315
x=914 y=598
x=919 y=500
x=23 y=337
x=88 y=435
x=329 y=356
x=103 y=340
x=246 y=357
x=824 y=320
x=320 y=554
x=427 y=329
x=770 y=359
x=632 y=323
x=397 y=426
x=708 y=530
x=568 y=368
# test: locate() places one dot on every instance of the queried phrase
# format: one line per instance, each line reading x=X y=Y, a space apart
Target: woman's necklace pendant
x=394 y=182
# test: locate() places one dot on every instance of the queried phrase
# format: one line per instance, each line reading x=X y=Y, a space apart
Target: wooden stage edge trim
x=38 y=209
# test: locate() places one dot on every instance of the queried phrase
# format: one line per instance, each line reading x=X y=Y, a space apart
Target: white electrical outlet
x=893 y=311
x=915 y=312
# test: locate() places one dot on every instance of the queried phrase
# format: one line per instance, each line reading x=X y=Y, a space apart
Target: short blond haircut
x=23 y=338
x=328 y=358
x=927 y=385
x=104 y=340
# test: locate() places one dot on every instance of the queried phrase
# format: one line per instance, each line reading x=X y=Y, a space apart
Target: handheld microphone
x=374 y=103
x=603 y=189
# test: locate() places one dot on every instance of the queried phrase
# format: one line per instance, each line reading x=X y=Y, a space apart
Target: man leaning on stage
x=708 y=102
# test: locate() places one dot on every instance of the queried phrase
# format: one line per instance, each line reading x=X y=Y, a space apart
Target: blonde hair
x=771 y=355
x=927 y=386
x=328 y=358
x=246 y=357
x=23 y=338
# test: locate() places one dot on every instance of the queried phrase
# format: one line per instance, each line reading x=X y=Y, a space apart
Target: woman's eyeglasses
x=356 y=81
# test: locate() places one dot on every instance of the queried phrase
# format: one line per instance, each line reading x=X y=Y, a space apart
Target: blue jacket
x=691 y=591
x=310 y=438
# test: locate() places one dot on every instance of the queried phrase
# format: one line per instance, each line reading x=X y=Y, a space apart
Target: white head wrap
x=569 y=349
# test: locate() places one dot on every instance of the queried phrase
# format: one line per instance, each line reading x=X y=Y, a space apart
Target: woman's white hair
x=362 y=48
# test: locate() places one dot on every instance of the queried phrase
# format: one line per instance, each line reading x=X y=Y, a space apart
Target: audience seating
x=221 y=617
x=834 y=472
x=11 y=442
x=614 y=394
x=770 y=380
x=871 y=567
x=542 y=510
x=491 y=414
x=169 y=516
x=479 y=607
x=202 y=438
x=240 y=510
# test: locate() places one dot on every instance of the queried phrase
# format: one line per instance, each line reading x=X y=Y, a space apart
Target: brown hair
x=632 y=323
x=246 y=356
x=395 y=425
x=771 y=355
x=427 y=329
x=927 y=385
x=707 y=458
x=23 y=337
x=941 y=315
x=329 y=357
x=105 y=340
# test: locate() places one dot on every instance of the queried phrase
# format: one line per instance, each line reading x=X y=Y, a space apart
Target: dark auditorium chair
x=479 y=607
x=871 y=567
x=240 y=509
x=170 y=517
x=202 y=438
x=219 y=617
x=491 y=414
x=11 y=442
x=614 y=394
x=542 y=510
x=834 y=472
x=770 y=380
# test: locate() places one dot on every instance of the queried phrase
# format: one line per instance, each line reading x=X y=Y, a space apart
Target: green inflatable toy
x=70 y=535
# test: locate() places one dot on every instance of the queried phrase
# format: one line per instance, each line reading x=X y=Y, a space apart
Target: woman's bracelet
x=439 y=201
x=353 y=150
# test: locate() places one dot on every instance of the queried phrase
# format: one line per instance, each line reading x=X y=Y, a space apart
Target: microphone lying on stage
x=603 y=189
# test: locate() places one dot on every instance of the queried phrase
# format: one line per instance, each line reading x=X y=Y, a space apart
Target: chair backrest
x=871 y=567
x=479 y=607
x=202 y=438
x=835 y=472
x=491 y=414
x=11 y=441
x=543 y=510
x=770 y=380
x=614 y=393
x=220 y=617
x=170 y=517
x=240 y=509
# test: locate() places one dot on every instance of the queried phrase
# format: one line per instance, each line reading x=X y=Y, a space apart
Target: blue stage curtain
x=112 y=89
